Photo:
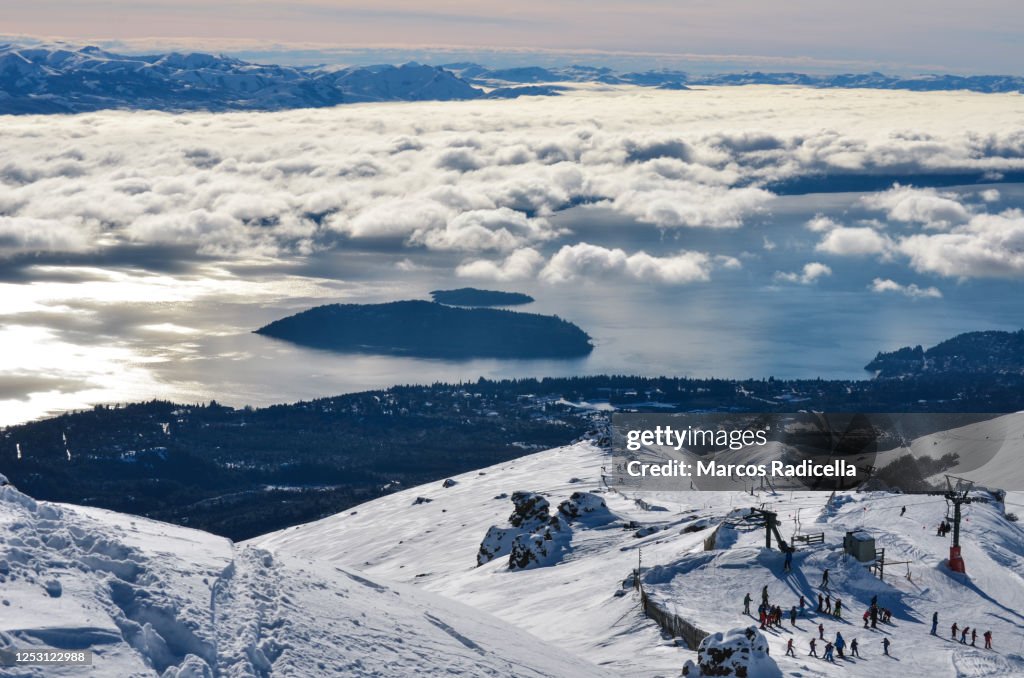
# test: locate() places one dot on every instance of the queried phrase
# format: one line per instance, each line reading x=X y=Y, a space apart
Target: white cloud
x=821 y=224
x=810 y=274
x=990 y=246
x=27 y=234
x=883 y=285
x=502 y=229
x=584 y=260
x=519 y=265
x=919 y=205
x=692 y=205
x=854 y=241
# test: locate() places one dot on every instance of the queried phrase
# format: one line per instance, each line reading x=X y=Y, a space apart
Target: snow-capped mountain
x=674 y=79
x=60 y=79
x=150 y=598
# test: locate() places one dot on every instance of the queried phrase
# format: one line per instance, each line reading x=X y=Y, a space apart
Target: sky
x=806 y=35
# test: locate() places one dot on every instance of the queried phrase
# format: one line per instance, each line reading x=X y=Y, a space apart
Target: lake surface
x=122 y=336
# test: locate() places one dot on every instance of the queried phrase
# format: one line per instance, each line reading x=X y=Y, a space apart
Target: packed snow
x=527 y=568
x=155 y=599
x=459 y=545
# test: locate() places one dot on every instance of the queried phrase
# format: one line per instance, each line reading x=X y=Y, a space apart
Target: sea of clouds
x=482 y=180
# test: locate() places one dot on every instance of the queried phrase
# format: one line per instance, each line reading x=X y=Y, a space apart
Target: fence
x=670 y=623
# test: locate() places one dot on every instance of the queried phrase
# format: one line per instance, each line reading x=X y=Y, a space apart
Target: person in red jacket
x=988 y=640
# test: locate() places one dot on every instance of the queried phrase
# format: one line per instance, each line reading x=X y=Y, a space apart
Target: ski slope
x=155 y=599
x=584 y=603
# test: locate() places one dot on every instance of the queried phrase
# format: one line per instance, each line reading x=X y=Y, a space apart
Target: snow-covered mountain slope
x=155 y=599
x=579 y=595
x=62 y=79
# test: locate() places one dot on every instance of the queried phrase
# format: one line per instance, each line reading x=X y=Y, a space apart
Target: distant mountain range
x=62 y=79
x=671 y=79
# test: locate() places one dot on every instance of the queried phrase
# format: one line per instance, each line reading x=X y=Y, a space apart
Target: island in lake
x=470 y=296
x=430 y=330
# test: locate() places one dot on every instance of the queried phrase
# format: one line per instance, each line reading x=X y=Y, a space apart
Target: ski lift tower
x=957 y=493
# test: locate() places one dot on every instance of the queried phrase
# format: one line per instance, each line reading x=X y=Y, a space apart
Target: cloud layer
x=487 y=180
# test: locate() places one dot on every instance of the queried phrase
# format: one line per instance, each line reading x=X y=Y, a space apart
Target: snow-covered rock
x=582 y=503
x=742 y=653
x=535 y=538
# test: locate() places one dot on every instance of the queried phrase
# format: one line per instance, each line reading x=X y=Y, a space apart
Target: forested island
x=470 y=296
x=430 y=330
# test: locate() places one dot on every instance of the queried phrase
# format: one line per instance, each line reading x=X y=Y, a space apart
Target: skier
x=788 y=564
x=988 y=640
x=746 y=603
x=903 y=511
x=792 y=616
x=828 y=653
x=885 y=646
x=789 y=648
x=963 y=635
x=764 y=594
x=802 y=603
x=821 y=631
x=821 y=601
x=974 y=636
x=839 y=608
x=828 y=604
x=953 y=635
x=840 y=643
x=813 y=652
x=824 y=579
x=853 y=649
x=874 y=616
x=935 y=623
x=762 y=614
x=867 y=614
x=886 y=615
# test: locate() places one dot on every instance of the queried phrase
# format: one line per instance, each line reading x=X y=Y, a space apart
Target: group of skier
x=987 y=636
x=825 y=605
x=836 y=646
x=771 y=615
x=874 y=613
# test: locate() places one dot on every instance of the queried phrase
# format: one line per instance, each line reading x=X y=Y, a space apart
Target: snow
x=526 y=569
x=583 y=600
x=154 y=599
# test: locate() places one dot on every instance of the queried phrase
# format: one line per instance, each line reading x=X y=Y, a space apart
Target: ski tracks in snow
x=245 y=605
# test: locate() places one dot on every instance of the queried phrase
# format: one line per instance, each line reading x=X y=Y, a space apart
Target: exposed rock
x=739 y=652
